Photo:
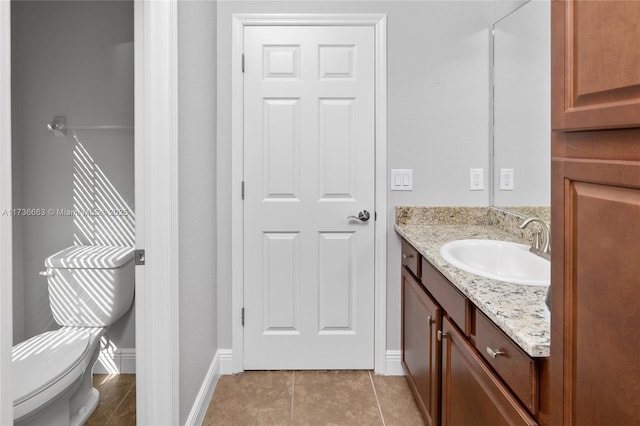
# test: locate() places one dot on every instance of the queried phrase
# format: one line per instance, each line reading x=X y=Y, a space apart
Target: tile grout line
x=111 y=413
x=293 y=390
x=377 y=400
x=120 y=403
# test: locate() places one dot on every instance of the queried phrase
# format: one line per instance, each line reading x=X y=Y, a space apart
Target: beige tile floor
x=117 y=406
x=273 y=398
x=314 y=398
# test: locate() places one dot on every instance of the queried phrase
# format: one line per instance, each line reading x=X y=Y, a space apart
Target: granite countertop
x=518 y=310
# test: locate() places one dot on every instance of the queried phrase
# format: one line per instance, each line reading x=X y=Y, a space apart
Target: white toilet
x=90 y=288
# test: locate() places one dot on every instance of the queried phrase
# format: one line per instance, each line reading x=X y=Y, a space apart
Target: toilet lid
x=90 y=257
x=41 y=361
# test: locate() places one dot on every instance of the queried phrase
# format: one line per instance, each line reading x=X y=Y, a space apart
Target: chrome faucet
x=541 y=244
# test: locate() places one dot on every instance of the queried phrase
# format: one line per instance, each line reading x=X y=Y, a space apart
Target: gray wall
x=197 y=180
x=438 y=115
x=74 y=59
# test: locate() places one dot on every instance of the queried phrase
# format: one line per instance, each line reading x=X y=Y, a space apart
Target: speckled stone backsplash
x=442 y=215
x=506 y=220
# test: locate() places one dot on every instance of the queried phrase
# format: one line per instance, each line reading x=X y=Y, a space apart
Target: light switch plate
x=402 y=179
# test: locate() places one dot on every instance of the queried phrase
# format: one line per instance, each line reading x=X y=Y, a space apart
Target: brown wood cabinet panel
x=472 y=395
x=621 y=145
x=411 y=258
x=513 y=365
x=595 y=64
x=451 y=300
x=593 y=372
x=595 y=337
x=421 y=319
x=544 y=406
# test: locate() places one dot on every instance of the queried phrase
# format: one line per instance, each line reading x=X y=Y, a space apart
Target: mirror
x=521 y=106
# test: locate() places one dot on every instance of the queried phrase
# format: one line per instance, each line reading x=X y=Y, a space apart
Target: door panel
x=599 y=324
x=337 y=150
x=336 y=282
x=595 y=64
x=309 y=164
x=281 y=149
x=281 y=276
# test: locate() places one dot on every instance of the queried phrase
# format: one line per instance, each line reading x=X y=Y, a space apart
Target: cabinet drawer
x=410 y=258
x=515 y=367
x=451 y=300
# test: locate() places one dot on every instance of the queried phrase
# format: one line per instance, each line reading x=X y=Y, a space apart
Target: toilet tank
x=90 y=286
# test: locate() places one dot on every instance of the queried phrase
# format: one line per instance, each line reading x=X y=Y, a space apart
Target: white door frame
x=156 y=174
x=379 y=24
x=6 y=248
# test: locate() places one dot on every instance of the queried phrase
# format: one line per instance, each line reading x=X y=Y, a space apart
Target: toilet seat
x=48 y=364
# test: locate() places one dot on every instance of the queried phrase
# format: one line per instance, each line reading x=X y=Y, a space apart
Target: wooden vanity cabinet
x=472 y=394
x=420 y=348
x=454 y=378
x=595 y=222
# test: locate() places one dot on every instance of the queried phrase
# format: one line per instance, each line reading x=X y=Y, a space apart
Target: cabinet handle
x=429 y=320
x=494 y=354
x=441 y=335
x=407 y=256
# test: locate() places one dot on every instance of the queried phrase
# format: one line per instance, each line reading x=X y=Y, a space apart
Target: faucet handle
x=541 y=237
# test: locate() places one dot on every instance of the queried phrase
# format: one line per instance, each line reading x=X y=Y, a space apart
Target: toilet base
x=58 y=413
x=89 y=404
x=85 y=400
x=73 y=406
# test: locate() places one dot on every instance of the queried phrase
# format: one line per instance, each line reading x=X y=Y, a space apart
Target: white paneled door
x=309 y=165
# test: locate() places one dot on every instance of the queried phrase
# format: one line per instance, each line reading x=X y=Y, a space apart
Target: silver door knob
x=363 y=216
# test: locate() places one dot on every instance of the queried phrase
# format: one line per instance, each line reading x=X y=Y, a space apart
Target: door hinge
x=375 y=216
x=242 y=317
x=139 y=256
x=242 y=190
x=243 y=62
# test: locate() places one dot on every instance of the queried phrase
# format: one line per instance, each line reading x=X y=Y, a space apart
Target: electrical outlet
x=476 y=179
x=506 y=180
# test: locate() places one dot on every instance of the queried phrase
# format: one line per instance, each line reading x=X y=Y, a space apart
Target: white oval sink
x=499 y=260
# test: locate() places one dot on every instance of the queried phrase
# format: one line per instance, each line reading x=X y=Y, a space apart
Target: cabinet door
x=420 y=347
x=595 y=64
x=472 y=395
x=595 y=284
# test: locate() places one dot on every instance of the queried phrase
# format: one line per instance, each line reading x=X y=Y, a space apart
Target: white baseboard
x=393 y=365
x=200 y=405
x=393 y=361
x=226 y=361
x=119 y=361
